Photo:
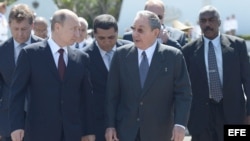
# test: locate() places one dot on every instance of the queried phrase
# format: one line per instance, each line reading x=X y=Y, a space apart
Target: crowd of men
x=152 y=85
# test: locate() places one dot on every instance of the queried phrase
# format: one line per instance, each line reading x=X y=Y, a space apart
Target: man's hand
x=247 y=120
x=17 y=135
x=88 y=138
x=178 y=133
x=163 y=36
x=111 y=134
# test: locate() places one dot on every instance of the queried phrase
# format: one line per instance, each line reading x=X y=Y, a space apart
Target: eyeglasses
x=160 y=17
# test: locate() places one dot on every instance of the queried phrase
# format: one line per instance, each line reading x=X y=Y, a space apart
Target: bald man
x=41 y=27
x=57 y=78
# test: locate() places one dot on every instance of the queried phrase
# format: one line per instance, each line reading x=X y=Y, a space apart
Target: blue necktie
x=215 y=84
x=109 y=55
x=143 y=68
x=22 y=45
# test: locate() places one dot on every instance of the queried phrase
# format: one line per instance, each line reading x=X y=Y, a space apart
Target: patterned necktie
x=61 y=64
x=215 y=84
x=143 y=68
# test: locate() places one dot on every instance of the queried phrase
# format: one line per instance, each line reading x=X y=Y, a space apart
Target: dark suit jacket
x=170 y=41
x=56 y=107
x=176 y=35
x=236 y=73
x=164 y=100
x=7 y=65
x=99 y=74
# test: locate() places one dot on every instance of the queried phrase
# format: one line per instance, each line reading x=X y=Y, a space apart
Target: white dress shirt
x=54 y=49
x=149 y=52
x=3 y=28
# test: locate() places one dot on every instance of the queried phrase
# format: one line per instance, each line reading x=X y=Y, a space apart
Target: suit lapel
x=50 y=60
x=227 y=56
x=155 y=67
x=199 y=59
x=98 y=61
x=133 y=68
x=71 y=63
x=9 y=58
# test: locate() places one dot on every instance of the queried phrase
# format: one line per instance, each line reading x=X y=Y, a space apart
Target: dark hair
x=21 y=12
x=105 y=21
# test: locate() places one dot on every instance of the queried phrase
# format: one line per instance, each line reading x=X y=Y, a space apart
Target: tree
x=89 y=9
x=8 y=2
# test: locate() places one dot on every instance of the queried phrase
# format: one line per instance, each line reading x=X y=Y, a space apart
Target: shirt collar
x=215 y=41
x=149 y=51
x=16 y=44
x=103 y=52
x=55 y=47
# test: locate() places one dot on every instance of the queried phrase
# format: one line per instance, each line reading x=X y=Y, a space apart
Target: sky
x=187 y=11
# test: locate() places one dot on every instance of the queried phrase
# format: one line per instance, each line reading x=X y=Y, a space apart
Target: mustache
x=208 y=28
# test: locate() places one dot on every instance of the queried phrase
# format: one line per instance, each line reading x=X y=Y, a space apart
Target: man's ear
x=156 y=32
x=219 y=22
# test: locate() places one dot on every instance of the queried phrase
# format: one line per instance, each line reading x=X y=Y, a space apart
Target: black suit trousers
x=216 y=123
x=5 y=139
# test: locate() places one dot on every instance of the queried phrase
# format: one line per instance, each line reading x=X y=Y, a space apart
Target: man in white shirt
x=3 y=23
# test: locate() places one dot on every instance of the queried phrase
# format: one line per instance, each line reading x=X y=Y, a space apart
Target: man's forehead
x=141 y=23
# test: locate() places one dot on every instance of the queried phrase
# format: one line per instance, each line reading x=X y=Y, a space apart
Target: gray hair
x=153 y=19
x=212 y=9
x=84 y=21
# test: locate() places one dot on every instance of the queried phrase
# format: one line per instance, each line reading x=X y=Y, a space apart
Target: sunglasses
x=160 y=17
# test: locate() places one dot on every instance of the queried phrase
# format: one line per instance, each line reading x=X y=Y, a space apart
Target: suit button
x=62 y=101
x=138 y=119
x=141 y=103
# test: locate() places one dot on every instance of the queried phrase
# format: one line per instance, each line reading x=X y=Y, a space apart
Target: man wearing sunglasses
x=168 y=35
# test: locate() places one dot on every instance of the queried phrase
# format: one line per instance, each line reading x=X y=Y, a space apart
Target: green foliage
x=8 y=2
x=245 y=37
x=89 y=9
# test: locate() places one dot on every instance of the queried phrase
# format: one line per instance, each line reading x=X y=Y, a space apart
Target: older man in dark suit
x=20 y=23
x=148 y=88
x=219 y=69
x=57 y=77
x=105 y=44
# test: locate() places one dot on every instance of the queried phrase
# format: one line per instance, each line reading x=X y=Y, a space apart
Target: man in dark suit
x=106 y=34
x=60 y=92
x=168 y=35
x=20 y=17
x=209 y=113
x=158 y=108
